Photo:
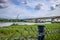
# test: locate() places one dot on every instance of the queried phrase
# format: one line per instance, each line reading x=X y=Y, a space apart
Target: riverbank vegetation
x=11 y=20
x=29 y=30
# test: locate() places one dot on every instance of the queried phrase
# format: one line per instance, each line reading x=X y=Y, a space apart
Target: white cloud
x=53 y=13
x=59 y=1
x=13 y=10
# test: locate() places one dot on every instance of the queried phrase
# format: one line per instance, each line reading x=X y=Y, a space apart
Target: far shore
x=20 y=23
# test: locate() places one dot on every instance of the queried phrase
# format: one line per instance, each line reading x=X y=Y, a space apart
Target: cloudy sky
x=30 y=8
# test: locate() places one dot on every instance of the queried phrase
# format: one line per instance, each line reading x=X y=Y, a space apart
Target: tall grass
x=29 y=30
x=51 y=28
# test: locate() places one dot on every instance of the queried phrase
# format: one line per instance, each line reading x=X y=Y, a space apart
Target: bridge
x=44 y=19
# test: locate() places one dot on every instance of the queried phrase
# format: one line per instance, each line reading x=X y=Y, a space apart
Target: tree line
x=12 y=20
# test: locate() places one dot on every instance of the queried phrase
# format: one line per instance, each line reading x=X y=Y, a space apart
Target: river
x=19 y=23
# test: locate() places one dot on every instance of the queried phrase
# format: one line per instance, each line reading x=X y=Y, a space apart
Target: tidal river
x=19 y=23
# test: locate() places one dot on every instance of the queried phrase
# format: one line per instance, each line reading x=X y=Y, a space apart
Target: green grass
x=50 y=28
x=25 y=30
x=5 y=32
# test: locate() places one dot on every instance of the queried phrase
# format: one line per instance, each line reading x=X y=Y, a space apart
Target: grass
x=51 y=28
x=24 y=29
x=29 y=30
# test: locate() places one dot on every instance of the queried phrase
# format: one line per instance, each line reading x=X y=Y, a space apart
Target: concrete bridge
x=44 y=19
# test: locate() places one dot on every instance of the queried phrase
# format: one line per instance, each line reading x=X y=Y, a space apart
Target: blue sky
x=30 y=9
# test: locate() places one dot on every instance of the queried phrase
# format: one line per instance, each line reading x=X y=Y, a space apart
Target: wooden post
x=40 y=31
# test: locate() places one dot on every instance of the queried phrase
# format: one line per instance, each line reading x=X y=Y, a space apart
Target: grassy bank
x=51 y=28
x=29 y=30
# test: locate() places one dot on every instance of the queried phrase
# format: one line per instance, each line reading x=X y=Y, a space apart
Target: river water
x=19 y=23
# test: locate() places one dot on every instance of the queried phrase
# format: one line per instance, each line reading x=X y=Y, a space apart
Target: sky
x=23 y=9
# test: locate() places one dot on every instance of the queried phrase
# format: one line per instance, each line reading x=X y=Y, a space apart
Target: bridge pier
x=36 y=20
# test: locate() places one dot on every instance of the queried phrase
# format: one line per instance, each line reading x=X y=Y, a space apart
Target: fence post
x=40 y=31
